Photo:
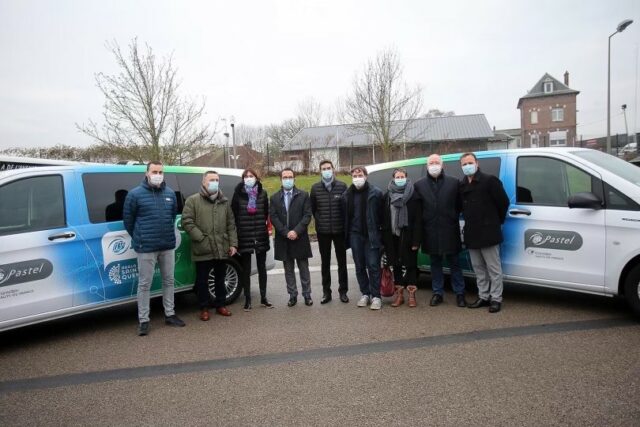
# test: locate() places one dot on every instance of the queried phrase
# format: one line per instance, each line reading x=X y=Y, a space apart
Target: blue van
x=63 y=247
x=573 y=222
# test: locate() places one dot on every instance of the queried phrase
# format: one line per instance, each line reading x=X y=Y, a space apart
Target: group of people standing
x=407 y=217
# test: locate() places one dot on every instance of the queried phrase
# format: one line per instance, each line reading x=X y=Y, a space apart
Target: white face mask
x=156 y=180
x=359 y=182
x=434 y=170
x=250 y=182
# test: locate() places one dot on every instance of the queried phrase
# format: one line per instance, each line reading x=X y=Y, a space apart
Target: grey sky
x=257 y=59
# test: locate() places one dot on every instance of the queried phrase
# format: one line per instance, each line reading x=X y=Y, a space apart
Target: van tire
x=233 y=280
x=632 y=289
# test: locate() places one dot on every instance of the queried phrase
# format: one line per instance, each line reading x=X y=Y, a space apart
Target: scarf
x=364 y=193
x=252 y=192
x=398 y=198
x=204 y=192
x=327 y=184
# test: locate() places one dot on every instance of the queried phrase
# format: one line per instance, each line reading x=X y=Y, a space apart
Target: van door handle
x=65 y=235
x=520 y=212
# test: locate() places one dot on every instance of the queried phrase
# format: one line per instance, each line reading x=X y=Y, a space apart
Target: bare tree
x=144 y=117
x=381 y=103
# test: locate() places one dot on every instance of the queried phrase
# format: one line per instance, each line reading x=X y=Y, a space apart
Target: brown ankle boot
x=399 y=297
x=412 y=295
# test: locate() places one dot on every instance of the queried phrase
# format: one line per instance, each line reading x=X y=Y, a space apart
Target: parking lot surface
x=549 y=358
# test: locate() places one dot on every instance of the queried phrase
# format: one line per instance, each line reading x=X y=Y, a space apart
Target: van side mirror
x=585 y=200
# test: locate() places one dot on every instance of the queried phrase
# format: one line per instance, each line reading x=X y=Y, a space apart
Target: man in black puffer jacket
x=328 y=211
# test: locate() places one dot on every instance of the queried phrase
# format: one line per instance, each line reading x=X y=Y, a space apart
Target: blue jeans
x=437 y=277
x=367 y=261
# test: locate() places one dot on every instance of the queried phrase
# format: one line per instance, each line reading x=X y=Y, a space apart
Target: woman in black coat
x=401 y=234
x=250 y=205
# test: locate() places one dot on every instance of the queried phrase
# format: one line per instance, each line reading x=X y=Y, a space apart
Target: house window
x=535 y=139
x=548 y=87
x=558 y=138
x=557 y=114
x=534 y=117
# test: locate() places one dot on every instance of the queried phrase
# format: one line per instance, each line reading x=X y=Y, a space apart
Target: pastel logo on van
x=119 y=246
x=552 y=239
x=25 y=271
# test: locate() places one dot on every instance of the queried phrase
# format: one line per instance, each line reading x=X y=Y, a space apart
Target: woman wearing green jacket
x=208 y=219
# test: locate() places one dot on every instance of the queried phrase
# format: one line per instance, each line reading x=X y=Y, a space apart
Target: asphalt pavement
x=548 y=358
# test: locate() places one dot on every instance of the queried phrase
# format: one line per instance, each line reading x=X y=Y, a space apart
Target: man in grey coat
x=290 y=211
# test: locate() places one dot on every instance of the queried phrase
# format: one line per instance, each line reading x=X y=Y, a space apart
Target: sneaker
x=143 y=329
x=376 y=304
x=364 y=301
x=173 y=321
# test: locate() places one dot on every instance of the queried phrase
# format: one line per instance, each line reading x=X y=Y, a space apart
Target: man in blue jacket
x=149 y=216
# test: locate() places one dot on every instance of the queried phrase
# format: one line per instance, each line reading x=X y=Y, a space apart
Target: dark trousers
x=203 y=274
x=437 y=275
x=324 y=245
x=261 y=260
x=405 y=276
x=367 y=261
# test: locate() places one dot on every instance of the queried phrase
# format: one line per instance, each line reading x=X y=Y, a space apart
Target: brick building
x=350 y=145
x=548 y=114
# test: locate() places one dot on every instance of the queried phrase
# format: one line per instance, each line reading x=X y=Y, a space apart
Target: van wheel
x=232 y=281
x=632 y=289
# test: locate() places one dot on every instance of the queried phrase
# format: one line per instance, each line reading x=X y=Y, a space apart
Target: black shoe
x=344 y=298
x=173 y=321
x=436 y=299
x=308 y=301
x=292 y=301
x=325 y=298
x=143 y=329
x=479 y=303
x=265 y=303
x=460 y=301
x=247 y=305
x=495 y=307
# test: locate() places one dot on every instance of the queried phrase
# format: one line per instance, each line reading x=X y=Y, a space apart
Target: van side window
x=550 y=182
x=190 y=183
x=382 y=177
x=105 y=193
x=617 y=201
x=488 y=165
x=32 y=204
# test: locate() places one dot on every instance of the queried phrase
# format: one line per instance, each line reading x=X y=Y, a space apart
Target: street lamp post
x=233 y=139
x=621 y=27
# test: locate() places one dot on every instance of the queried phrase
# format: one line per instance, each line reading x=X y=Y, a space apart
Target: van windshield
x=623 y=169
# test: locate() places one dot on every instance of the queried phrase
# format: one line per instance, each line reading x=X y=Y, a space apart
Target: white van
x=573 y=221
x=63 y=247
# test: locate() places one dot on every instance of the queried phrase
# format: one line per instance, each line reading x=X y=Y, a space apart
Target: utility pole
x=233 y=139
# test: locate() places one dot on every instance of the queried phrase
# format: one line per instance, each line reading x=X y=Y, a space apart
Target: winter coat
x=327 y=207
x=149 y=217
x=297 y=219
x=484 y=208
x=253 y=234
x=210 y=225
x=400 y=252
x=441 y=205
x=374 y=215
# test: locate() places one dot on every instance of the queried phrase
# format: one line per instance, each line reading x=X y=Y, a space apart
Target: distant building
x=548 y=114
x=223 y=157
x=506 y=139
x=349 y=145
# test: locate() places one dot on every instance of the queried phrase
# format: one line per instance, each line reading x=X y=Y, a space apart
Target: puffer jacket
x=149 y=216
x=210 y=225
x=327 y=207
x=252 y=229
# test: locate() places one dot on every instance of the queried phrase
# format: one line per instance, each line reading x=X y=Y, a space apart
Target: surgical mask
x=213 y=186
x=250 y=182
x=400 y=182
x=434 y=170
x=156 y=180
x=327 y=174
x=358 y=182
x=287 y=183
x=469 y=169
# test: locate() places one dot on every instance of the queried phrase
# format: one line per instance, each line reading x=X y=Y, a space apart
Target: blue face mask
x=287 y=183
x=213 y=186
x=327 y=174
x=400 y=182
x=469 y=170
